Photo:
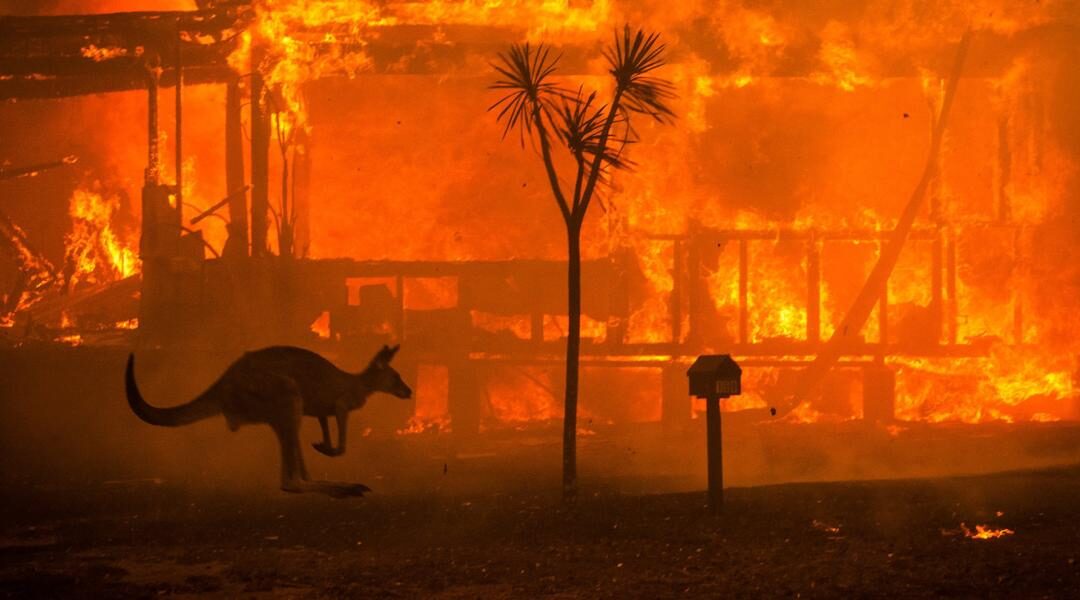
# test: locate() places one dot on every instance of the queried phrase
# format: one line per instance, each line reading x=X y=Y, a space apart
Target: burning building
x=323 y=173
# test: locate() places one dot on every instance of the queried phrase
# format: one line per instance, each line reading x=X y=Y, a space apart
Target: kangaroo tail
x=202 y=407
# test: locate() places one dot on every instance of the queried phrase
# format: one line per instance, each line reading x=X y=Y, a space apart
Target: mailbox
x=715 y=376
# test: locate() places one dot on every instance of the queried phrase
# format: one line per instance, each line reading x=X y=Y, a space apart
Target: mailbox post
x=712 y=377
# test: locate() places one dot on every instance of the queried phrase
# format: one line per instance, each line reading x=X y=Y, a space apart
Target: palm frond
x=579 y=124
x=632 y=57
x=525 y=72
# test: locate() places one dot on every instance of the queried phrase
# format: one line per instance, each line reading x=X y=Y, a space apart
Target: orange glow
x=556 y=326
x=96 y=250
x=432 y=401
x=1009 y=385
x=791 y=126
x=523 y=395
x=431 y=293
x=517 y=326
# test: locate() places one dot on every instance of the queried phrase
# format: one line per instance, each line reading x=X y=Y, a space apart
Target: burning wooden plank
x=874 y=288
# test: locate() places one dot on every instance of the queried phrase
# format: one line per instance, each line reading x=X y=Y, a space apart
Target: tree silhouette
x=595 y=137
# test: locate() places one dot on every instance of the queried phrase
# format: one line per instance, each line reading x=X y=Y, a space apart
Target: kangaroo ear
x=385 y=355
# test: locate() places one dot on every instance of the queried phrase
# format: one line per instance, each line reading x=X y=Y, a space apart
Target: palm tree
x=595 y=136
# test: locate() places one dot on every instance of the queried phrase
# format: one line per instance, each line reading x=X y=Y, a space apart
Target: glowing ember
x=70 y=340
x=98 y=54
x=825 y=527
x=985 y=532
x=321 y=325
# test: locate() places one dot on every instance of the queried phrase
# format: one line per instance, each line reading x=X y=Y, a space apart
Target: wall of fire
x=808 y=148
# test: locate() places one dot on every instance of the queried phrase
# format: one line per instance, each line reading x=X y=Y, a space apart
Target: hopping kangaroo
x=277 y=386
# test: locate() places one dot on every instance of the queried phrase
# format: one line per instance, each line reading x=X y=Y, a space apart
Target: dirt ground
x=884 y=538
x=97 y=504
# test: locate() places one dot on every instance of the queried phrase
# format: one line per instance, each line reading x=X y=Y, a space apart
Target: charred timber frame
x=53 y=56
x=942 y=281
x=58 y=56
x=237 y=246
x=260 y=158
x=49 y=57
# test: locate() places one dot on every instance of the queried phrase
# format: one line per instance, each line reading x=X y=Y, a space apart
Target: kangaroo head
x=383 y=377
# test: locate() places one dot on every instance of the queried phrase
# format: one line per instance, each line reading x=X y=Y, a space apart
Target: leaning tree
x=591 y=138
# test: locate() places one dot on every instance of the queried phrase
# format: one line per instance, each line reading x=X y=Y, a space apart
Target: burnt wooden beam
x=237 y=244
x=744 y=284
x=38 y=55
x=57 y=56
x=813 y=290
x=34 y=170
x=675 y=301
x=260 y=159
x=876 y=286
x=35 y=87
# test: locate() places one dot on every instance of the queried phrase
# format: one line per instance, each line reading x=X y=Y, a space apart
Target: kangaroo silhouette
x=278 y=386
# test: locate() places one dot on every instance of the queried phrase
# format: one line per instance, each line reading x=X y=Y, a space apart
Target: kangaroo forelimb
x=325 y=446
x=342 y=418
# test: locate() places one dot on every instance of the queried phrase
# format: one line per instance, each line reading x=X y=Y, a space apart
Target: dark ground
x=884 y=538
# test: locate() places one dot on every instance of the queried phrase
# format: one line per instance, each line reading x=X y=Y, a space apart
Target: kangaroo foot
x=293 y=487
x=333 y=489
x=327 y=449
x=346 y=490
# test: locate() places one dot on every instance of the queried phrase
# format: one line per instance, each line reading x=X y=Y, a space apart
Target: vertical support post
x=936 y=272
x=1004 y=170
x=536 y=327
x=619 y=298
x=234 y=171
x=675 y=302
x=744 y=309
x=879 y=394
x=464 y=396
x=674 y=404
x=716 y=453
x=883 y=317
x=285 y=220
x=813 y=290
x=950 y=283
x=260 y=158
x=399 y=318
x=693 y=273
x=301 y=196
x=152 y=154
x=1019 y=282
x=179 y=128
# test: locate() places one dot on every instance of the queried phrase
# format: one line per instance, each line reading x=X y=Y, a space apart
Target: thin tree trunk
x=878 y=280
x=573 y=349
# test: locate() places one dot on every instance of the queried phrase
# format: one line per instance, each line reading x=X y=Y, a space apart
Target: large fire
x=807 y=128
x=96 y=251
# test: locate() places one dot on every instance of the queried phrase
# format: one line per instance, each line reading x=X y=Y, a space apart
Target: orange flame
x=985 y=532
x=95 y=250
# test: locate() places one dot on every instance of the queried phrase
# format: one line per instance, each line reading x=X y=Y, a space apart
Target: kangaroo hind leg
x=285 y=421
x=285 y=408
